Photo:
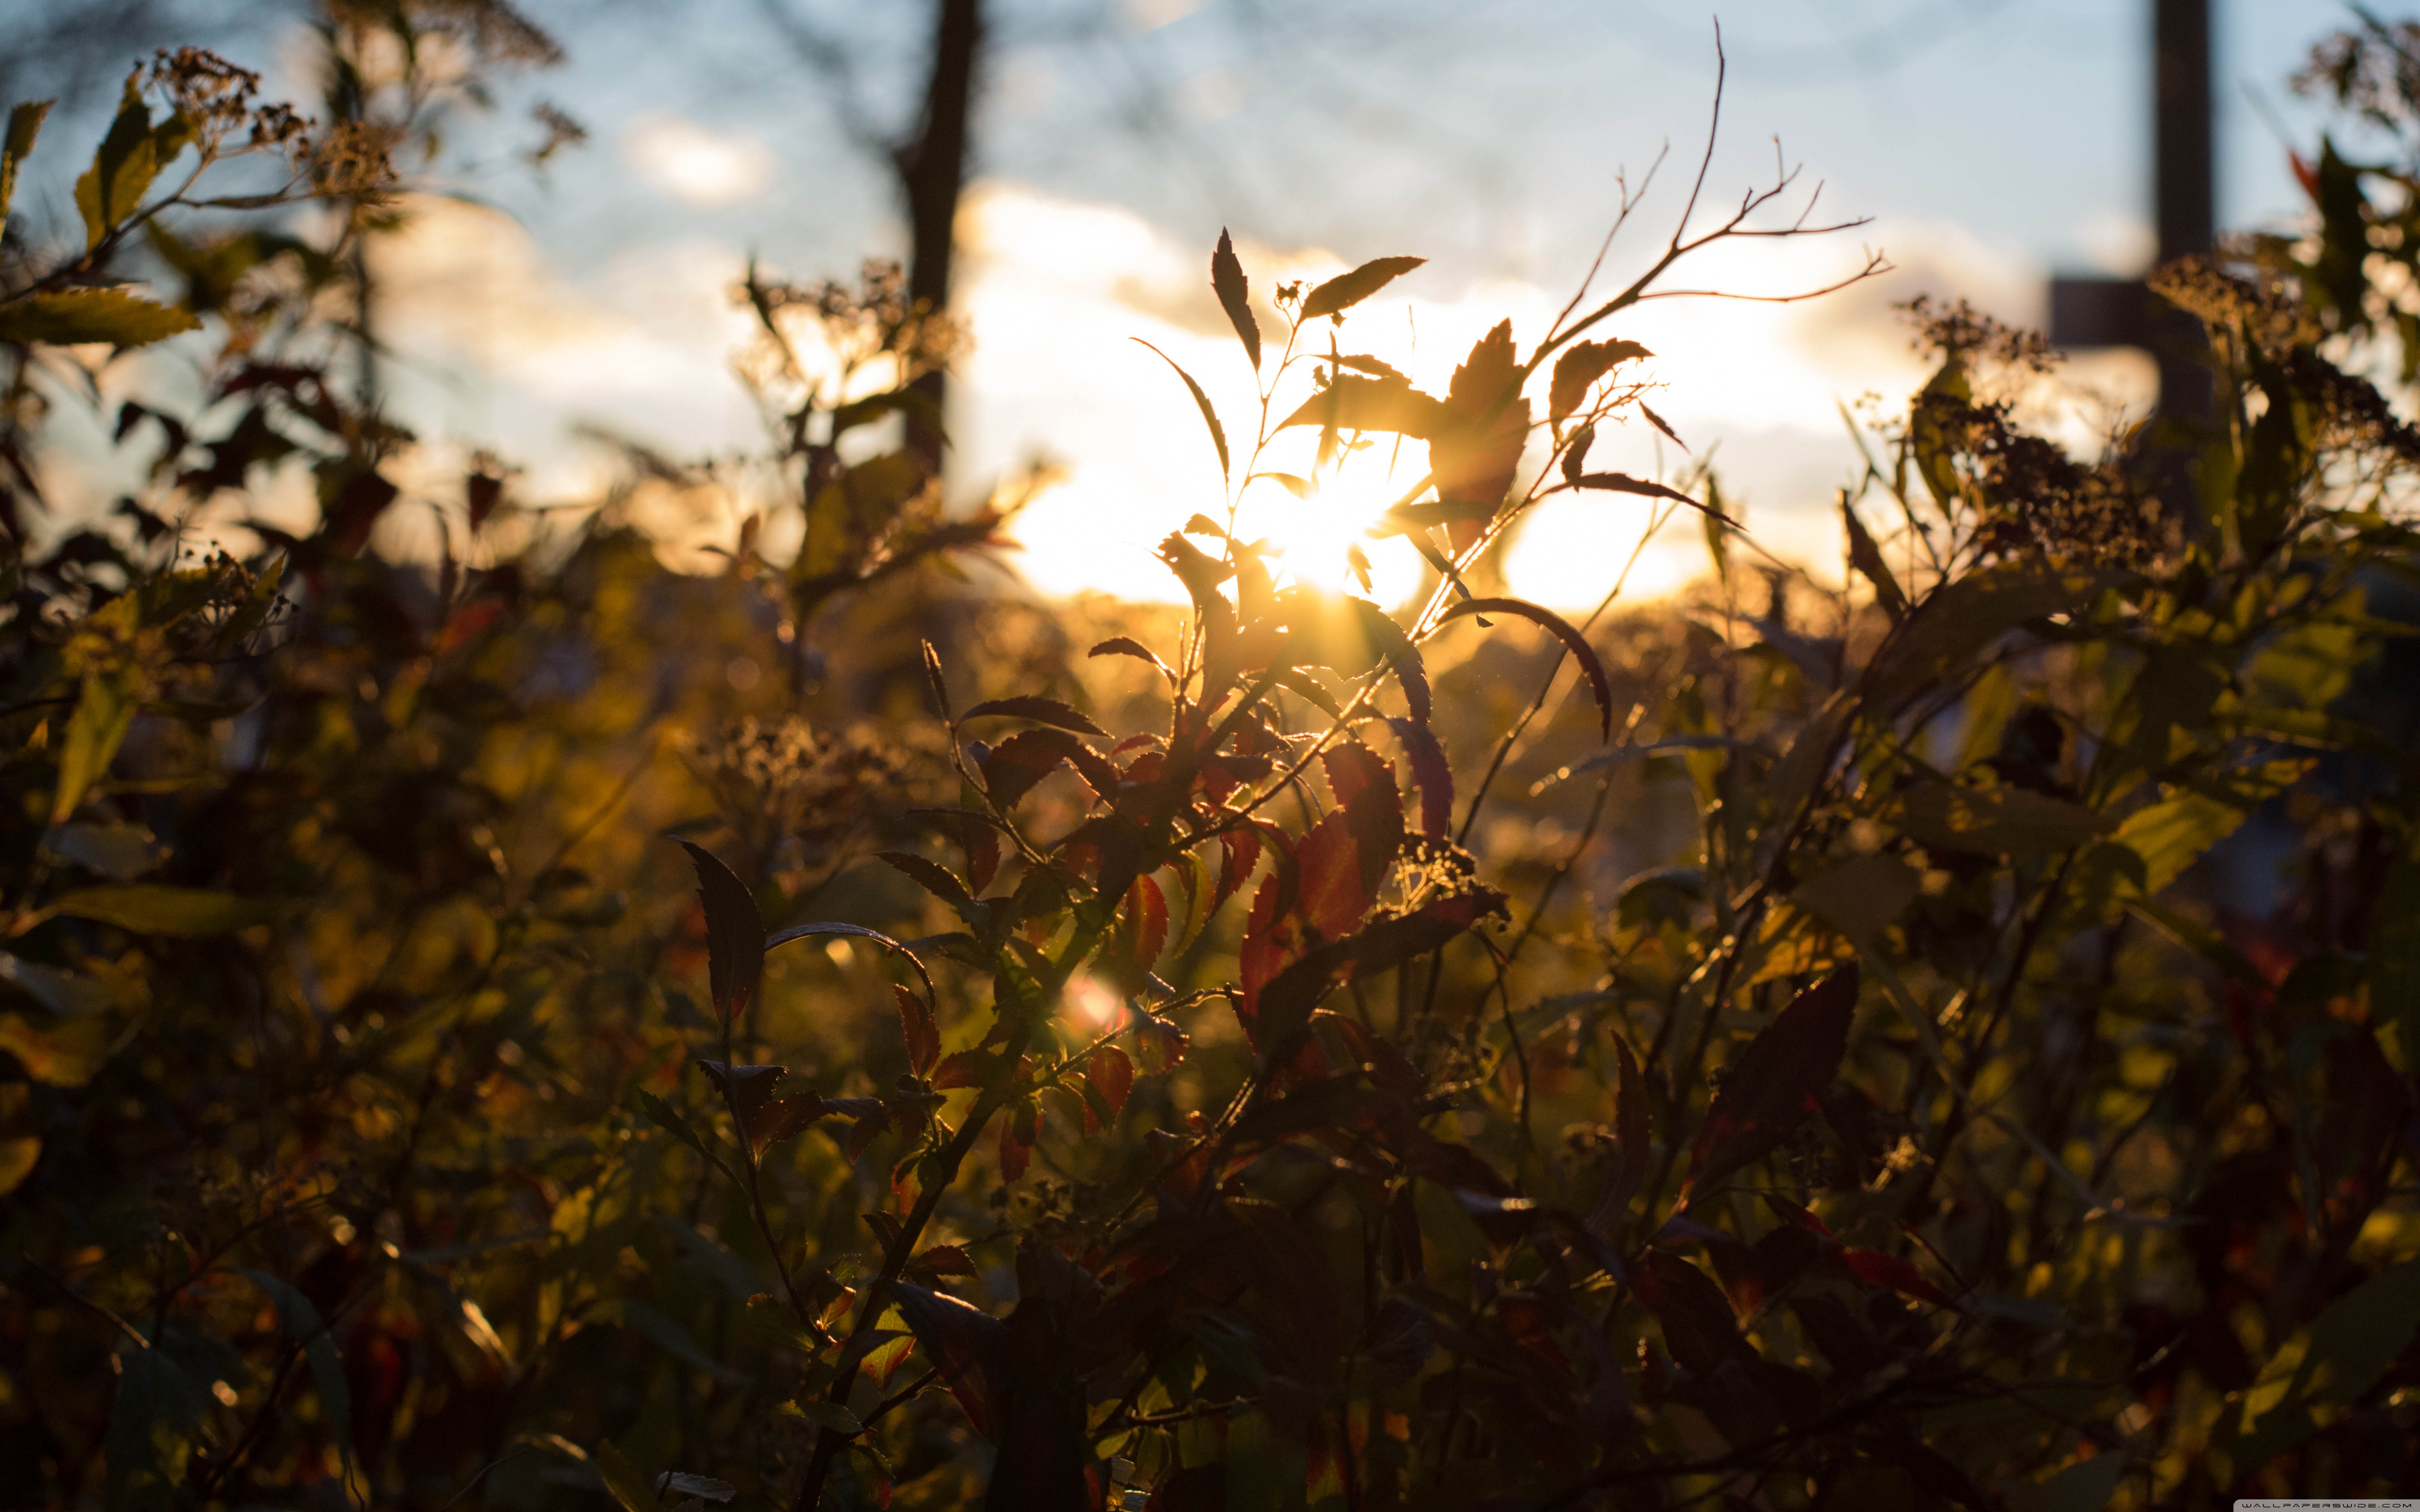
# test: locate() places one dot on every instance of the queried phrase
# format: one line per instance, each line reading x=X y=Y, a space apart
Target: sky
x=1985 y=143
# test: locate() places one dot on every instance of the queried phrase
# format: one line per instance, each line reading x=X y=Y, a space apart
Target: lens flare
x=1094 y=1002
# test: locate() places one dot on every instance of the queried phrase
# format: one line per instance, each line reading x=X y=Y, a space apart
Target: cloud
x=694 y=164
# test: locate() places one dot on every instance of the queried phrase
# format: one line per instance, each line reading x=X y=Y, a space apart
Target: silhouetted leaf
x=1997 y=821
x=1646 y=487
x=1769 y=1091
x=1876 y=1268
x=1111 y=1074
x=1432 y=772
x=1579 y=368
x=1119 y=645
x=1561 y=628
x=1479 y=436
x=1346 y=290
x=1390 y=405
x=923 y=1035
x=930 y=875
x=734 y=931
x=1867 y=558
x=1209 y=416
x=1659 y=423
x=25 y=125
x=1228 y=282
x=1040 y=710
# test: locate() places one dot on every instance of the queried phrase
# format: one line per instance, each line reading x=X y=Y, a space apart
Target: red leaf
x=1041 y=710
x=734 y=931
x=963 y=1067
x=1160 y=1044
x=916 y=1023
x=943 y=1260
x=963 y=1342
x=1775 y=1083
x=787 y=1119
x=1015 y=1153
x=930 y=875
x=1241 y=851
x=1011 y=768
x=1112 y=1075
x=1283 y=1006
x=867 y=1128
x=1876 y=1268
x=1561 y=628
x=1690 y=1307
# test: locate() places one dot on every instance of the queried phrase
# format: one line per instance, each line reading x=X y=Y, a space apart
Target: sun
x=1315 y=536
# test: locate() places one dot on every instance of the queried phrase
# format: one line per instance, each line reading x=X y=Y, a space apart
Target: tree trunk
x=932 y=171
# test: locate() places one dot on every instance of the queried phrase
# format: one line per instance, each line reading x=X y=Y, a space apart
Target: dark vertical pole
x=2182 y=184
x=933 y=170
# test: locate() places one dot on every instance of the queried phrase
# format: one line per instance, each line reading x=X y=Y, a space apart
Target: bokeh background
x=535 y=308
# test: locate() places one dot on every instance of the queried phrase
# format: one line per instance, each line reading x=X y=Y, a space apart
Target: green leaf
x=2085 y=1486
x=105 y=709
x=2332 y=1364
x=112 y=189
x=1861 y=897
x=150 y=908
x=1209 y=416
x=1345 y=290
x=623 y=1482
x=302 y=1324
x=831 y=1415
x=2171 y=835
x=1954 y=624
x=2001 y=820
x=1228 y=282
x=24 y=124
x=63 y=1055
x=62 y=318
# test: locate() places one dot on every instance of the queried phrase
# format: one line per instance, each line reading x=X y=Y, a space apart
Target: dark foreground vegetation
x=532 y=1027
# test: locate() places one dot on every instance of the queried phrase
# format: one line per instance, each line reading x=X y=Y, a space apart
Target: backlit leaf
x=1234 y=297
x=963 y=1342
x=1041 y=710
x=1645 y=487
x=1579 y=368
x=1390 y=405
x=25 y=125
x=1867 y=558
x=734 y=931
x=1346 y=290
x=1209 y=415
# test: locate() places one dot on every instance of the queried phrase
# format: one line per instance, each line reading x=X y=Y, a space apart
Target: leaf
x=681 y=1483
x=1624 y=482
x=1299 y=487
x=1579 y=368
x=1430 y=771
x=122 y=853
x=151 y=908
x=2086 y=1486
x=923 y=1036
x=1623 y=755
x=1119 y=645
x=2334 y=1363
x=66 y=1054
x=1388 y=405
x=1111 y=1074
x=128 y=161
x=963 y=1342
x=622 y=1481
x=1015 y=1153
x=25 y=125
x=1690 y=1306
x=831 y=1415
x=1867 y=558
x=1480 y=436
x=64 y=993
x=1960 y=620
x=1998 y=821
x=1876 y=1268
x=1011 y=768
x=1280 y=1010
x=1359 y=362
x=105 y=708
x=1773 y=1085
x=1346 y=290
x=932 y=876
x=2395 y=951
x=1234 y=297
x=302 y=1324
x=1660 y=423
x=1209 y=416
x=1556 y=625
x=854 y=931
x=1042 y=710
x=2172 y=833
x=734 y=932
x=933 y=678
x=65 y=318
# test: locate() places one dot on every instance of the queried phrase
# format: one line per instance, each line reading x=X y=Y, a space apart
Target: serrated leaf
x=1040 y=710
x=1234 y=297
x=1346 y=290
x=1209 y=415
x=1579 y=368
x=963 y=1342
x=150 y=908
x=734 y=931
x=930 y=875
x=1111 y=1074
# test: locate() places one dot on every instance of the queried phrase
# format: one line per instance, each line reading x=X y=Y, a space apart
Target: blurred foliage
x=1286 y=1056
